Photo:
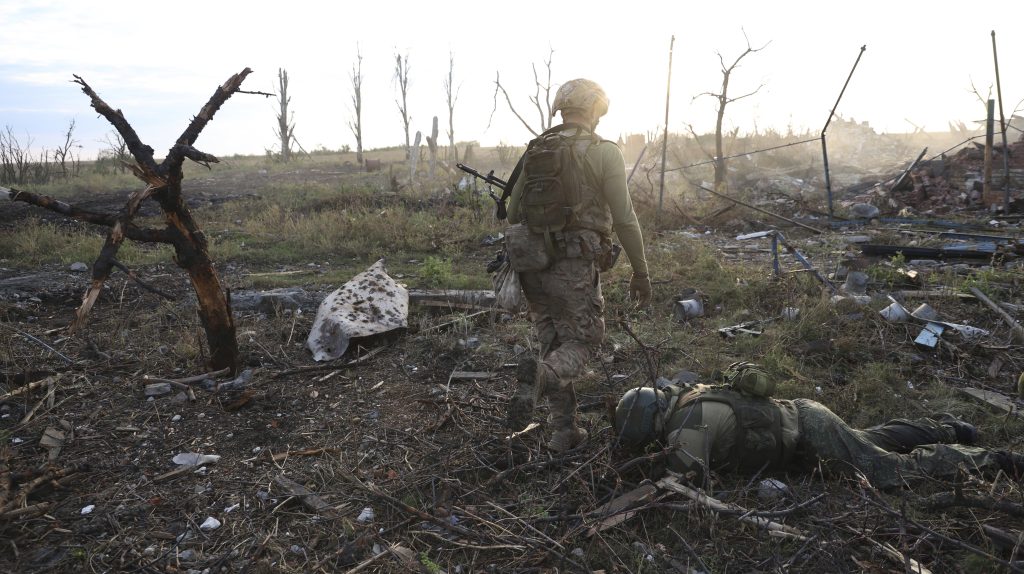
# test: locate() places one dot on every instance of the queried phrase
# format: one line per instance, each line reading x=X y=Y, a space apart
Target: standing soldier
x=569 y=197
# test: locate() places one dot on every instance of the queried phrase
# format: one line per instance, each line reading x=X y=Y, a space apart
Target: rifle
x=499 y=202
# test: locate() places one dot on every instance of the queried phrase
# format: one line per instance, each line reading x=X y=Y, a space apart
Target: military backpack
x=556 y=172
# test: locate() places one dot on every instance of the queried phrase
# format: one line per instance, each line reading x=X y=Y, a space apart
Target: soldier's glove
x=640 y=289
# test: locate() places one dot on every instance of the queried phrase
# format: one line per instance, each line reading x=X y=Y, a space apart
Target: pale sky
x=160 y=61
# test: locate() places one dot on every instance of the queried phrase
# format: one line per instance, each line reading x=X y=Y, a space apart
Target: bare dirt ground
x=383 y=462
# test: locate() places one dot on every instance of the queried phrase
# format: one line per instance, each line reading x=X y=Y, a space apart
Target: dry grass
x=396 y=430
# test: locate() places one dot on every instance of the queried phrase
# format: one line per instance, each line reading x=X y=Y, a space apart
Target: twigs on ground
x=947 y=499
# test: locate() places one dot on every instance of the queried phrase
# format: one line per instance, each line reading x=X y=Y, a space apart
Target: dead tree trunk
x=402 y=79
x=453 y=152
x=414 y=159
x=723 y=101
x=432 y=145
x=285 y=127
x=356 y=125
x=163 y=184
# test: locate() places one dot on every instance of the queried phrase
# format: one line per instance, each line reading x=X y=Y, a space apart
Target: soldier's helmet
x=640 y=416
x=581 y=95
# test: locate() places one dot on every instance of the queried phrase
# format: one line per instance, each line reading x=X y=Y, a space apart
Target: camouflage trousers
x=890 y=455
x=567 y=310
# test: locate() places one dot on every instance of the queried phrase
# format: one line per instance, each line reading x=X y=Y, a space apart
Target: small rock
x=296 y=549
x=149 y=551
x=771 y=488
x=88 y=509
x=366 y=515
x=79 y=267
x=864 y=211
x=209 y=524
x=194 y=458
x=175 y=418
x=187 y=555
x=158 y=389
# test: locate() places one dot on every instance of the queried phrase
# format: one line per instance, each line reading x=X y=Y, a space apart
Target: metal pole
x=824 y=148
x=664 y=142
x=1002 y=129
x=986 y=189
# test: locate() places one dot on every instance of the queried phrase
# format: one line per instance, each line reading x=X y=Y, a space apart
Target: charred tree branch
x=142 y=153
x=105 y=219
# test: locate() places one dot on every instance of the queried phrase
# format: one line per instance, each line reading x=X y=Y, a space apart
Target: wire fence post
x=824 y=147
x=664 y=142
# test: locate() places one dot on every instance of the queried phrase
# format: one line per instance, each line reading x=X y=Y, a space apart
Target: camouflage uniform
x=888 y=455
x=567 y=310
x=564 y=293
x=565 y=301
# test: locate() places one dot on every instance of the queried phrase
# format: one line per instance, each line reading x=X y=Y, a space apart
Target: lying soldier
x=737 y=426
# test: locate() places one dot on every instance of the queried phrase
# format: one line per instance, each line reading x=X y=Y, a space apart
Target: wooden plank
x=470 y=376
x=617 y=511
x=308 y=498
x=997 y=401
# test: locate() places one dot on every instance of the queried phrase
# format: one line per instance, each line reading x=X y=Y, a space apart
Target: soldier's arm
x=624 y=221
x=514 y=199
x=689 y=454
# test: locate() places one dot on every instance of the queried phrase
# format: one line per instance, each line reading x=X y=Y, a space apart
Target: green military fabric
x=607 y=164
x=903 y=435
x=845 y=450
x=711 y=442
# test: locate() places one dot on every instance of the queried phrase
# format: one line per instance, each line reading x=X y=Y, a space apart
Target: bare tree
x=543 y=107
x=285 y=130
x=117 y=150
x=402 y=79
x=163 y=185
x=63 y=152
x=356 y=125
x=449 y=83
x=723 y=101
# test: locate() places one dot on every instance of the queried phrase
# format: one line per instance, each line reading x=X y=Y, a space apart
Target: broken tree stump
x=163 y=185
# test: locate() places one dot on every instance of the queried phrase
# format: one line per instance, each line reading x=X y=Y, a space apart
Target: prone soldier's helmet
x=640 y=416
x=581 y=95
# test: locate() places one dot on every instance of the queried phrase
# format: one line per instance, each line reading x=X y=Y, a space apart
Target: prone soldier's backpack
x=556 y=173
x=748 y=378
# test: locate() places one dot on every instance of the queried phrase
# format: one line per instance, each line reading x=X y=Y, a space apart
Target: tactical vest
x=758 y=441
x=561 y=192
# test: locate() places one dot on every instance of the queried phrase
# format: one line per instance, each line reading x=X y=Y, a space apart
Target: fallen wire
x=40 y=343
x=706 y=162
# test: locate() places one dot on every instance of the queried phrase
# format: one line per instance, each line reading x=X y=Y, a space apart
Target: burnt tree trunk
x=163 y=184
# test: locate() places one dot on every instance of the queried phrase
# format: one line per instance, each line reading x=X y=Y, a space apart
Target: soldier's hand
x=640 y=289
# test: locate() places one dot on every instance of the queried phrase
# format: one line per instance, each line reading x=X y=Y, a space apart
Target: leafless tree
x=432 y=146
x=117 y=151
x=163 y=185
x=63 y=152
x=723 y=101
x=453 y=97
x=356 y=125
x=285 y=130
x=402 y=80
x=543 y=105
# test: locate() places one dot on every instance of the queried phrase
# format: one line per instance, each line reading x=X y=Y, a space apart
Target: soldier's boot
x=524 y=400
x=566 y=434
x=966 y=433
x=1012 y=463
